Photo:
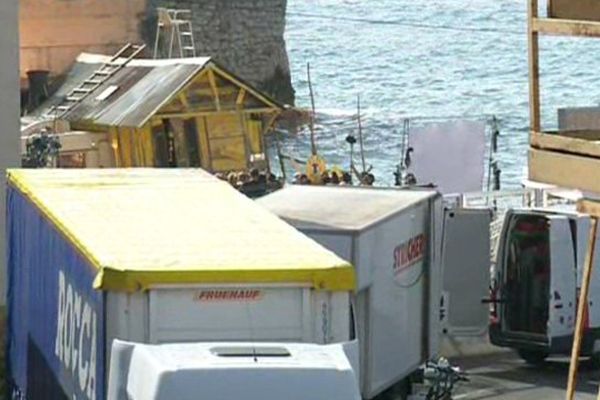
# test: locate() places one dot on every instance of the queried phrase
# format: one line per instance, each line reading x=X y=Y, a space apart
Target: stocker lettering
x=409 y=253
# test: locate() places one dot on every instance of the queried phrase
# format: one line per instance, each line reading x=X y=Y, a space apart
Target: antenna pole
x=313 y=144
x=360 y=138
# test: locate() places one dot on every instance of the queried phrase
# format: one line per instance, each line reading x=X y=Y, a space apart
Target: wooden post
x=263 y=143
x=583 y=298
x=534 y=69
x=214 y=88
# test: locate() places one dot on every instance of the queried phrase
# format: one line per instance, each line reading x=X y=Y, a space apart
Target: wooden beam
x=534 y=68
x=255 y=93
x=581 y=309
x=215 y=89
x=208 y=91
x=565 y=144
x=588 y=10
x=566 y=27
x=204 y=113
x=184 y=101
x=591 y=207
x=263 y=143
x=564 y=170
x=240 y=97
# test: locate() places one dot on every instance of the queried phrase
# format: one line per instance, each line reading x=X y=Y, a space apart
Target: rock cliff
x=246 y=36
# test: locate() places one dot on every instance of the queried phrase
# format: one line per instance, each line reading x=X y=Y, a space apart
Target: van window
x=527 y=281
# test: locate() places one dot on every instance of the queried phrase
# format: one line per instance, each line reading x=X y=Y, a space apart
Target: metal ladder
x=178 y=25
x=107 y=70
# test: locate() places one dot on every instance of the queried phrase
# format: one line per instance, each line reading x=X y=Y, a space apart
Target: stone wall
x=245 y=36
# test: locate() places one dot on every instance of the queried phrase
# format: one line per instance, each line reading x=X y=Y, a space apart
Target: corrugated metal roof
x=138 y=90
x=141 y=91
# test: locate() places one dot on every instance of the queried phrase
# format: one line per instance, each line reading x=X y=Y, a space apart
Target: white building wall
x=9 y=113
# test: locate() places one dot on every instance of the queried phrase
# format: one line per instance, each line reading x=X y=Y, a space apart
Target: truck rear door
x=465 y=264
x=562 y=304
x=229 y=313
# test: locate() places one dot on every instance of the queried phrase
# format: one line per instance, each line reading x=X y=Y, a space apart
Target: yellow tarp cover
x=145 y=227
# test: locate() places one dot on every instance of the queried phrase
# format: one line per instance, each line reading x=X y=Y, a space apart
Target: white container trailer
x=161 y=257
x=393 y=242
x=396 y=241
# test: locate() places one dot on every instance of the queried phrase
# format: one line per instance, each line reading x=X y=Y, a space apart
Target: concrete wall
x=9 y=113
x=54 y=32
x=246 y=36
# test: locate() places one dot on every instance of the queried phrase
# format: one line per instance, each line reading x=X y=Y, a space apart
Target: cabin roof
x=137 y=91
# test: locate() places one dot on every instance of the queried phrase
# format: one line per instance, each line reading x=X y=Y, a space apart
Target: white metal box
x=393 y=238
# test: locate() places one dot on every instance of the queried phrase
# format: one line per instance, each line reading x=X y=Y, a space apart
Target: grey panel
x=579 y=118
x=339 y=207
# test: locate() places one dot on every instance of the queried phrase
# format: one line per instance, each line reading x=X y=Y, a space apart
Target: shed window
x=107 y=92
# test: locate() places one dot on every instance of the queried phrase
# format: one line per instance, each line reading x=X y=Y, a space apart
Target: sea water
x=428 y=61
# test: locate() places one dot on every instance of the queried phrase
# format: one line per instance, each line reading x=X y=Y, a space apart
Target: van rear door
x=562 y=304
x=465 y=264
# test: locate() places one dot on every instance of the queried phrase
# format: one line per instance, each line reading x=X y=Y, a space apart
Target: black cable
x=409 y=24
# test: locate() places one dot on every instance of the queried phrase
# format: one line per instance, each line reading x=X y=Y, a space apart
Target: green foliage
x=42 y=149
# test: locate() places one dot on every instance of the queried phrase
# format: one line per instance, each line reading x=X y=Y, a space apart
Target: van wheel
x=533 y=357
x=400 y=391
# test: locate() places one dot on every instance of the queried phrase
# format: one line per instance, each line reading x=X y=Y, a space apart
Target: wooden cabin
x=169 y=113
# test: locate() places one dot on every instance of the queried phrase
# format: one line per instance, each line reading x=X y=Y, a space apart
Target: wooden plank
x=204 y=113
x=566 y=27
x=564 y=170
x=240 y=97
x=565 y=144
x=225 y=75
x=266 y=128
x=574 y=9
x=534 y=68
x=184 y=101
x=591 y=207
x=581 y=309
x=215 y=89
x=223 y=90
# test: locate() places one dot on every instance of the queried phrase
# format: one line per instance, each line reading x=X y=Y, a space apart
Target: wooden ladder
x=107 y=70
x=178 y=24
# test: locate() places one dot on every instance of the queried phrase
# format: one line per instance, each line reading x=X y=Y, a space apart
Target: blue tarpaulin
x=55 y=342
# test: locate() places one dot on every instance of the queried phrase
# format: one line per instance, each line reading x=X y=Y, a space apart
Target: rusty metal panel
x=588 y=10
x=91 y=106
x=138 y=93
x=142 y=100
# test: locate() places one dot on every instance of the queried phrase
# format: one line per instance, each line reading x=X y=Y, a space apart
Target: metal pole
x=360 y=138
x=313 y=144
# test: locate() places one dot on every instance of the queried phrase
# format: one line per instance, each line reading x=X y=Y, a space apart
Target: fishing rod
x=313 y=144
x=360 y=138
